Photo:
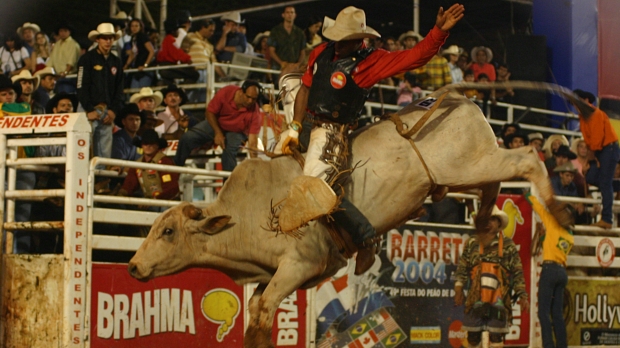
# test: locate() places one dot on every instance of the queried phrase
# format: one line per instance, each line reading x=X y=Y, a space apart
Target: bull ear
x=192 y=212
x=215 y=224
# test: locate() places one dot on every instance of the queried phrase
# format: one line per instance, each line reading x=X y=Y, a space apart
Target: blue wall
x=571 y=28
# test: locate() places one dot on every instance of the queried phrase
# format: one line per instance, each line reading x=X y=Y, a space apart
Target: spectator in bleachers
x=232 y=117
x=231 y=40
x=40 y=53
x=169 y=54
x=562 y=182
x=389 y=44
x=28 y=85
x=408 y=89
x=551 y=146
x=507 y=129
x=409 y=39
x=261 y=46
x=61 y=103
x=287 y=42
x=146 y=99
x=64 y=58
x=470 y=93
x=503 y=75
x=27 y=32
x=14 y=57
x=482 y=63
x=516 y=140
x=202 y=52
x=140 y=54
x=580 y=148
x=602 y=139
x=452 y=53
x=153 y=35
x=536 y=141
x=184 y=18
x=464 y=63
x=129 y=120
x=437 y=73
x=120 y=45
x=47 y=83
x=562 y=156
x=153 y=184
x=100 y=87
x=313 y=38
x=176 y=120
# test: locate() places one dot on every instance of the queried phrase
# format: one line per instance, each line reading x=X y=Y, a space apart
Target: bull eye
x=167 y=232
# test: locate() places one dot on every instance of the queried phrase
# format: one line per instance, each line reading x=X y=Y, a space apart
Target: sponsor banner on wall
x=411 y=281
x=195 y=308
x=592 y=311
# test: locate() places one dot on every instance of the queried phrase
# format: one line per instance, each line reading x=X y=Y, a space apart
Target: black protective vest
x=334 y=95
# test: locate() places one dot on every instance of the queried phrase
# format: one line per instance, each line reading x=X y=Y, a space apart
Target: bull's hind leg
x=504 y=165
x=489 y=196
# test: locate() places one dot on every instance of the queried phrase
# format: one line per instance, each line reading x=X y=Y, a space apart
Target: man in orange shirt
x=601 y=138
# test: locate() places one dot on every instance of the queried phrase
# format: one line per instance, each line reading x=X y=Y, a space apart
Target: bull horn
x=192 y=212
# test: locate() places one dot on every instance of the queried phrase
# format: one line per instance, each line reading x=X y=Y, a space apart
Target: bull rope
x=400 y=128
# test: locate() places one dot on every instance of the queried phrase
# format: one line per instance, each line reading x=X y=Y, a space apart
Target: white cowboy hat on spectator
x=412 y=34
x=259 y=37
x=475 y=50
x=350 y=24
x=48 y=70
x=121 y=15
x=501 y=215
x=535 y=135
x=104 y=29
x=147 y=92
x=25 y=75
x=566 y=167
x=453 y=49
x=28 y=25
x=233 y=16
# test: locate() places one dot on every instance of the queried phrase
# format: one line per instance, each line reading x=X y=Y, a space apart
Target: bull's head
x=174 y=240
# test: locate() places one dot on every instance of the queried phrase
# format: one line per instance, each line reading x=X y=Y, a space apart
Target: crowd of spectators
x=40 y=71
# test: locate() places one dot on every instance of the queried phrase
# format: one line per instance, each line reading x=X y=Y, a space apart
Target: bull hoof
x=256 y=338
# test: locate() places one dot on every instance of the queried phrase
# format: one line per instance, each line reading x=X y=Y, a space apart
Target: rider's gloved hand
x=291 y=140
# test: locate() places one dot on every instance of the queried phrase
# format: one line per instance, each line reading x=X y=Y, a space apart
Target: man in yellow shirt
x=557 y=243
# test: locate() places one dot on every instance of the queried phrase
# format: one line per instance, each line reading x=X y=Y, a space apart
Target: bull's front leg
x=289 y=276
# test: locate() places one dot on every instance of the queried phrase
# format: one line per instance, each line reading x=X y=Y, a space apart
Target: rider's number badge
x=427 y=103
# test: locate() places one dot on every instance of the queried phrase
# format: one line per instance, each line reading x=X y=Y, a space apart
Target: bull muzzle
x=134 y=271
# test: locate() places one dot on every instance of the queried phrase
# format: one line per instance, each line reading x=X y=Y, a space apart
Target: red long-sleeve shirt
x=381 y=64
x=169 y=188
x=170 y=54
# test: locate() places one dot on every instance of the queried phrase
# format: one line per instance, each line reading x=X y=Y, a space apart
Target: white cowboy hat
x=233 y=16
x=350 y=24
x=536 y=135
x=147 y=92
x=25 y=75
x=48 y=70
x=103 y=29
x=412 y=34
x=453 y=49
x=121 y=15
x=501 y=215
x=28 y=25
x=259 y=37
x=475 y=50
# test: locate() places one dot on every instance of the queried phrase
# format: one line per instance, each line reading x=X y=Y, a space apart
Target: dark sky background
x=486 y=22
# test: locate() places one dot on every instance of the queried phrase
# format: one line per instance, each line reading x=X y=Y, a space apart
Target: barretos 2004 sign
x=407 y=298
x=196 y=308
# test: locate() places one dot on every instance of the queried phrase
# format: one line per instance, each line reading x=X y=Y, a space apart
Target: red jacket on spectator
x=170 y=54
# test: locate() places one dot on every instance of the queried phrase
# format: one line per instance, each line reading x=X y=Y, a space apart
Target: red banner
x=196 y=308
x=519 y=229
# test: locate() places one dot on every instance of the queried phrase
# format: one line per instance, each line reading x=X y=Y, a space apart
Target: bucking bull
x=456 y=150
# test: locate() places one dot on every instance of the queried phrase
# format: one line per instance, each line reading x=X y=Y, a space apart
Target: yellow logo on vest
x=98 y=67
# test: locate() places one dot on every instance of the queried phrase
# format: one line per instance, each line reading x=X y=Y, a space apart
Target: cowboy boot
x=309 y=198
x=363 y=233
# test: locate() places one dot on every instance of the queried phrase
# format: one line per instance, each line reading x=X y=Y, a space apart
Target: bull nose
x=132 y=268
